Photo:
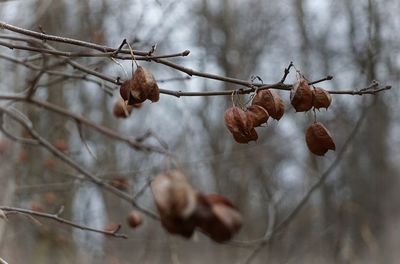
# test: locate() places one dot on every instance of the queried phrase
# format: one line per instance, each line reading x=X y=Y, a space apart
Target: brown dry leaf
x=257 y=114
x=270 y=101
x=122 y=109
x=176 y=201
x=301 y=96
x=144 y=86
x=318 y=139
x=322 y=99
x=217 y=217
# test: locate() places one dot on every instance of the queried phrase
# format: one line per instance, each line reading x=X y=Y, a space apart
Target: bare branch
x=56 y=217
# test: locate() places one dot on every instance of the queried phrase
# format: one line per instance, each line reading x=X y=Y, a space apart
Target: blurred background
x=352 y=218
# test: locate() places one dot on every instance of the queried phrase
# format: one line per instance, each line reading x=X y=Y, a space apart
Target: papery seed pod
x=134 y=219
x=217 y=217
x=61 y=145
x=122 y=109
x=271 y=102
x=257 y=114
x=176 y=202
x=144 y=86
x=239 y=125
x=37 y=207
x=244 y=139
x=121 y=183
x=50 y=198
x=318 y=139
x=125 y=89
x=111 y=227
x=301 y=96
x=322 y=99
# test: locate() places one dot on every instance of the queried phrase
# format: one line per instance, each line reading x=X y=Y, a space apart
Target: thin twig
x=57 y=218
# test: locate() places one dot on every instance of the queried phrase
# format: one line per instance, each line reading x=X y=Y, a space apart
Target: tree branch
x=10 y=210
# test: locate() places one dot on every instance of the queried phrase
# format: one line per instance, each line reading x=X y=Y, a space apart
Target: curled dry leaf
x=176 y=202
x=135 y=219
x=240 y=125
x=322 y=99
x=301 y=96
x=318 y=139
x=270 y=101
x=257 y=114
x=143 y=86
x=122 y=109
x=217 y=217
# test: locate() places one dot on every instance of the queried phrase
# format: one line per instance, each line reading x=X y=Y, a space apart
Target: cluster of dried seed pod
x=267 y=103
x=141 y=87
x=303 y=97
x=242 y=123
x=182 y=209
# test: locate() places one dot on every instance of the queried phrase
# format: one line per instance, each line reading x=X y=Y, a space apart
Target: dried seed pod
x=121 y=183
x=125 y=89
x=144 y=86
x=318 y=139
x=244 y=139
x=61 y=145
x=301 y=96
x=217 y=217
x=122 y=109
x=176 y=202
x=321 y=98
x=257 y=114
x=134 y=219
x=270 y=101
x=239 y=125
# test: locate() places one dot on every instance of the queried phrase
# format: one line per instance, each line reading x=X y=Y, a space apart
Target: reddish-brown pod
x=238 y=123
x=121 y=183
x=36 y=207
x=257 y=114
x=318 y=139
x=270 y=101
x=61 y=145
x=125 y=89
x=134 y=219
x=301 y=96
x=322 y=99
x=217 y=217
x=144 y=86
x=121 y=109
x=176 y=202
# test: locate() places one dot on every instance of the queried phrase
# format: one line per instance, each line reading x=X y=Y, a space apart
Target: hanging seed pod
x=239 y=125
x=134 y=219
x=318 y=139
x=270 y=101
x=121 y=109
x=301 y=96
x=322 y=99
x=217 y=217
x=125 y=89
x=144 y=86
x=176 y=202
x=244 y=139
x=257 y=114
